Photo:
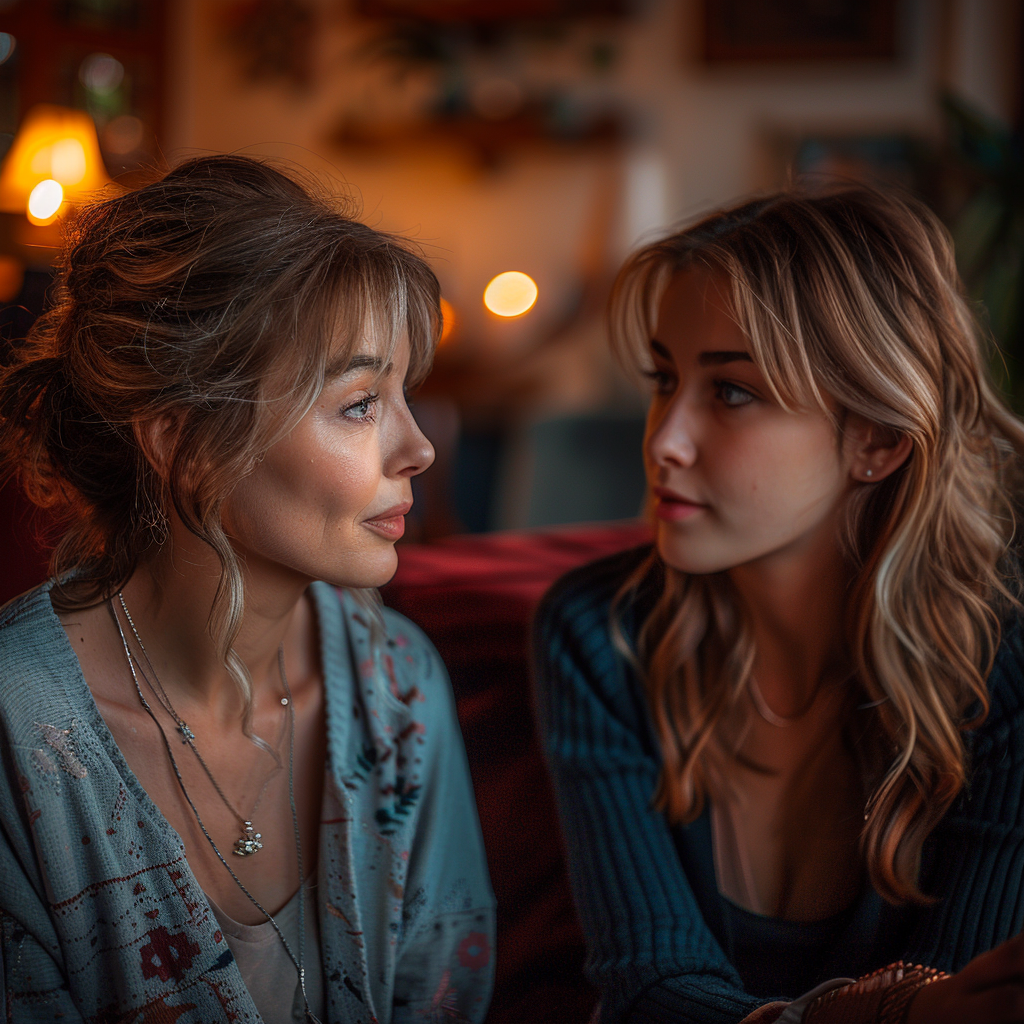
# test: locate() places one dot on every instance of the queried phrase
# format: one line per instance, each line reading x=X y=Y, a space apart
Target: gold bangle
x=881 y=997
x=896 y=1004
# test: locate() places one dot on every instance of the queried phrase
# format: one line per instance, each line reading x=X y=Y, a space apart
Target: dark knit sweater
x=650 y=951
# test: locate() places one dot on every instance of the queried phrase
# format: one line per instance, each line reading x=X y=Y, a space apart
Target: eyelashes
x=362 y=411
x=733 y=396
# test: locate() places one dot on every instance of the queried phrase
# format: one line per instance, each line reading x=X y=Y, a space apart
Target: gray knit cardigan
x=101 y=918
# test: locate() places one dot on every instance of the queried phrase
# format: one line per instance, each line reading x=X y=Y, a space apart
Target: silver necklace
x=248 y=842
x=299 y=962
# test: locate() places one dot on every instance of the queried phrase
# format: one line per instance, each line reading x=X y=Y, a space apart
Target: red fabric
x=474 y=597
x=24 y=555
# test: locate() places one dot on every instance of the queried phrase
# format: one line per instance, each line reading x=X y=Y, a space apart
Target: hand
x=989 y=990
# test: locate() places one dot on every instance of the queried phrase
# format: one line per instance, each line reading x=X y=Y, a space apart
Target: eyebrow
x=714 y=357
x=349 y=365
x=718 y=358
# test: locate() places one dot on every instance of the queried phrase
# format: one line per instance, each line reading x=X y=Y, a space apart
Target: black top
x=772 y=955
x=656 y=934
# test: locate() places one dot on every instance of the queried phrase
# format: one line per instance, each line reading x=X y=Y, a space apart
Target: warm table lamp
x=54 y=159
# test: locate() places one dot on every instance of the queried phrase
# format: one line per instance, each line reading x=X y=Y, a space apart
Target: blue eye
x=732 y=395
x=364 y=409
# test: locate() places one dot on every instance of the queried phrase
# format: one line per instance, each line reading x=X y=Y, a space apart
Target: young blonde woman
x=230 y=791
x=787 y=740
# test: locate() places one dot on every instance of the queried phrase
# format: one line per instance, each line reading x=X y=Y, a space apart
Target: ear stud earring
x=867 y=472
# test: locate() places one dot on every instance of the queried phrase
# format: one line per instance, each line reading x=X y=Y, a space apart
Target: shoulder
x=581 y=676
x=575 y=614
x=23 y=618
x=581 y=600
x=413 y=669
x=390 y=655
x=1003 y=728
x=36 y=662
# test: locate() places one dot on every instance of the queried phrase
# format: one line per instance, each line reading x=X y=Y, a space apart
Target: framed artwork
x=799 y=30
x=490 y=11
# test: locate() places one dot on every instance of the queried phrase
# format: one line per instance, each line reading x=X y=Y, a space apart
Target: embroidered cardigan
x=101 y=918
x=650 y=950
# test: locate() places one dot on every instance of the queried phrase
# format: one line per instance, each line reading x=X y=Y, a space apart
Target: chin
x=362 y=573
x=690 y=556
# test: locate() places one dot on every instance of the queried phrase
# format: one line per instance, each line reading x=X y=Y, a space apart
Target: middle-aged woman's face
x=736 y=478
x=328 y=501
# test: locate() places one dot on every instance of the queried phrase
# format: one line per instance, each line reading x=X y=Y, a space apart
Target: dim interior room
x=525 y=147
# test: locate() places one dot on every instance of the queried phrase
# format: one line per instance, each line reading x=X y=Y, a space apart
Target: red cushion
x=24 y=554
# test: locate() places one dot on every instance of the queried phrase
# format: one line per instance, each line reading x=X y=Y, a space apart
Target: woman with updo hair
x=233 y=783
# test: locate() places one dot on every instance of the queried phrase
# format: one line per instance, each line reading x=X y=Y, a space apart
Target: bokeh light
x=44 y=201
x=448 y=319
x=124 y=135
x=510 y=294
x=101 y=73
x=7 y=45
x=67 y=161
x=12 y=273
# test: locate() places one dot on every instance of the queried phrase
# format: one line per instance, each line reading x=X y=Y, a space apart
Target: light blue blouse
x=101 y=918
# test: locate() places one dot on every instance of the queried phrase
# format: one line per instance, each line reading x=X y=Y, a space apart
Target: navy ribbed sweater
x=650 y=952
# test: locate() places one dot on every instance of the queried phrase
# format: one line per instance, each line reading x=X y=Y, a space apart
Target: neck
x=796 y=600
x=172 y=600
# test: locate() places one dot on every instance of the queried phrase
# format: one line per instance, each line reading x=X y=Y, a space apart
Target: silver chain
x=249 y=843
x=299 y=962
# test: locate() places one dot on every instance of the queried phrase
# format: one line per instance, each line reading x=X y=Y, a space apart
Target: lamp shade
x=53 y=144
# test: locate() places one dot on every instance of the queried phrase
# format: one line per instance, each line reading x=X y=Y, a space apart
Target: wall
x=707 y=136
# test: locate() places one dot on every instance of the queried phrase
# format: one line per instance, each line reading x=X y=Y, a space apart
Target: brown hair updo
x=211 y=299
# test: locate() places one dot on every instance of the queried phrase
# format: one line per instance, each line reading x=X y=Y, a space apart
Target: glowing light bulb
x=67 y=161
x=44 y=201
x=510 y=294
x=447 y=320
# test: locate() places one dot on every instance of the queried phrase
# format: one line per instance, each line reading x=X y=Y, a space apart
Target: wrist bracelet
x=881 y=997
x=896 y=1003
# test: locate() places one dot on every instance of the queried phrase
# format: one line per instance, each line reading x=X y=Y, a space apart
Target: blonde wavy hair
x=215 y=299
x=852 y=294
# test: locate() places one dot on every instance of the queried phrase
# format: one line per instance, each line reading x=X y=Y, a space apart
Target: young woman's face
x=735 y=477
x=328 y=501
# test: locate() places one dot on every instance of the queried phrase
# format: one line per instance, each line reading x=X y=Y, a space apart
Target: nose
x=413 y=453
x=670 y=440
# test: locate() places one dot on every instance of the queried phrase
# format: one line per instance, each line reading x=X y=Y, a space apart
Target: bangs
x=765 y=308
x=390 y=295
x=357 y=284
x=758 y=305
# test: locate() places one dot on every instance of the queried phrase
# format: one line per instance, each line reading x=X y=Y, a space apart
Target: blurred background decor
x=985 y=207
x=772 y=30
x=273 y=40
x=530 y=143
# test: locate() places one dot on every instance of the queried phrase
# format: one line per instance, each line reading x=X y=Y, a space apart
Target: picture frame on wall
x=759 y=31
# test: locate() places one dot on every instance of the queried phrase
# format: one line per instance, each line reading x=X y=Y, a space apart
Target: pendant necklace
x=249 y=840
x=297 y=961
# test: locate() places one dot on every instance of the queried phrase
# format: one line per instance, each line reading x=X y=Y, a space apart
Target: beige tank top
x=266 y=968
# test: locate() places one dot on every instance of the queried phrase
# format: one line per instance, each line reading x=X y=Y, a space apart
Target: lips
x=391 y=522
x=674 y=507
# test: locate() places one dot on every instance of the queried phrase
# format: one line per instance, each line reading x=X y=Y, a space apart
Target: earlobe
x=881 y=452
